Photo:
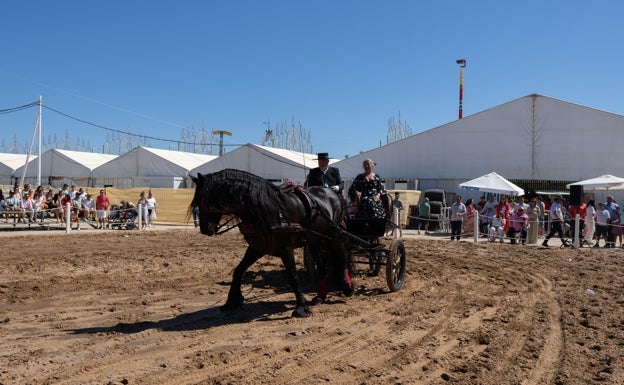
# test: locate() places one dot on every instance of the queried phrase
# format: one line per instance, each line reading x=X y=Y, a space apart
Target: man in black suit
x=325 y=176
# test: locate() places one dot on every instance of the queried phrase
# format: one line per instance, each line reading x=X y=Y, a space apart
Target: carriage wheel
x=395 y=265
x=374 y=264
x=375 y=261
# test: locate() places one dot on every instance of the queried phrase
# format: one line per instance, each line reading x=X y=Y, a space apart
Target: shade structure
x=604 y=182
x=492 y=183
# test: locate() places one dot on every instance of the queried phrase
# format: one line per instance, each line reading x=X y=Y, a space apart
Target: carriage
x=277 y=220
x=366 y=248
x=365 y=239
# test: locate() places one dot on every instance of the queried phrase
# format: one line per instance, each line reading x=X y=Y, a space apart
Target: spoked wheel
x=395 y=265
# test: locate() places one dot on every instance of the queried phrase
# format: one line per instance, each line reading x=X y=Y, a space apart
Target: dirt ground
x=136 y=307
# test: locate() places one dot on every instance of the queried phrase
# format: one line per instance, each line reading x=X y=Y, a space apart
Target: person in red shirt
x=581 y=210
x=101 y=207
x=504 y=208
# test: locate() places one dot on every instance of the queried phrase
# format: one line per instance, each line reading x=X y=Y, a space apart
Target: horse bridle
x=227 y=228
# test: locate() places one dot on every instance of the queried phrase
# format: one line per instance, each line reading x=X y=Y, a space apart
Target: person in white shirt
x=497 y=228
x=458 y=211
x=151 y=208
x=590 y=223
x=556 y=222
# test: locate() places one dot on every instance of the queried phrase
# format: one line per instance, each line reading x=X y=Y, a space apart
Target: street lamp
x=221 y=133
x=462 y=64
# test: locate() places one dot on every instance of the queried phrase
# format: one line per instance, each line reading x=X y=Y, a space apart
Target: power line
x=15 y=109
x=34 y=104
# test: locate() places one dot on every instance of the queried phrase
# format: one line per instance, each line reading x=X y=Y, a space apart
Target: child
x=497 y=228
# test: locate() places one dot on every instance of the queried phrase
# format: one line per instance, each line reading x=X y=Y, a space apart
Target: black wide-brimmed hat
x=322 y=156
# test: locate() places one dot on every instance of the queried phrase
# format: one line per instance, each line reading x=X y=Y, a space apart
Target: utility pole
x=221 y=133
x=462 y=64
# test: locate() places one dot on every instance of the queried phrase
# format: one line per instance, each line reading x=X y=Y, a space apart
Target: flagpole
x=462 y=64
x=39 y=146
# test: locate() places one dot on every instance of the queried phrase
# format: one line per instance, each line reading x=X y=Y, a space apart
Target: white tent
x=274 y=164
x=150 y=167
x=9 y=163
x=516 y=138
x=604 y=182
x=492 y=183
x=65 y=165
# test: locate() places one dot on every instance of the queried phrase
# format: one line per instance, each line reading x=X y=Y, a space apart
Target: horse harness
x=312 y=209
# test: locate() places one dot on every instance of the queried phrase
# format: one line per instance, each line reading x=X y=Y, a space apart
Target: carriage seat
x=366 y=227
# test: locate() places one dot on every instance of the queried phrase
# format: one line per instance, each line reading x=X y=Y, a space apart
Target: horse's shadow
x=200 y=319
x=254 y=309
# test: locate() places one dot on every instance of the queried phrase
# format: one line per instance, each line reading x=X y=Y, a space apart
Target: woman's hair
x=370 y=161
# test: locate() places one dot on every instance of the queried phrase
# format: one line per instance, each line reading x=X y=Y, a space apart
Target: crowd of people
x=30 y=205
x=523 y=223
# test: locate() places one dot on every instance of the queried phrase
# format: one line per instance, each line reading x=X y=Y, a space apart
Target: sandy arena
x=130 y=307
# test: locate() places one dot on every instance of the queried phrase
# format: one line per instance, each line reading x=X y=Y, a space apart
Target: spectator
x=590 y=223
x=602 y=220
x=88 y=207
x=542 y=216
x=424 y=215
x=2 y=205
x=469 y=218
x=196 y=216
x=486 y=221
x=504 y=208
x=55 y=206
x=64 y=191
x=491 y=203
x=13 y=207
x=581 y=210
x=497 y=228
x=616 y=227
x=101 y=206
x=65 y=201
x=556 y=222
x=610 y=206
x=72 y=192
x=39 y=206
x=151 y=208
x=28 y=207
x=77 y=205
x=519 y=223
x=142 y=205
x=458 y=211
x=521 y=203
x=533 y=212
x=397 y=203
x=481 y=204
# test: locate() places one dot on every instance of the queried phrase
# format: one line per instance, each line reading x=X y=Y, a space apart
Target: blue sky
x=341 y=69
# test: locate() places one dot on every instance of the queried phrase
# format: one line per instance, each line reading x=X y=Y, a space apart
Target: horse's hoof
x=348 y=291
x=317 y=300
x=302 y=312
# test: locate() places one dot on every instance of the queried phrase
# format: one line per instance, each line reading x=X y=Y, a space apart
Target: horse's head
x=208 y=216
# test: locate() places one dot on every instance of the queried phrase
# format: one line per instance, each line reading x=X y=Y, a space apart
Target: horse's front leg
x=288 y=259
x=235 y=296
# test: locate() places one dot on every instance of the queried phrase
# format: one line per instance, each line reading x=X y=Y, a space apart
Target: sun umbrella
x=492 y=183
x=604 y=182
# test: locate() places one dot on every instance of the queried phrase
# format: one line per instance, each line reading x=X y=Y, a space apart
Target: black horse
x=273 y=220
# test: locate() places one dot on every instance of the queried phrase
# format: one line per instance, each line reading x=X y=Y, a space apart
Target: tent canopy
x=604 y=182
x=492 y=183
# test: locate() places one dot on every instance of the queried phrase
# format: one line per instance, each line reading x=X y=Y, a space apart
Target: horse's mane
x=248 y=196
